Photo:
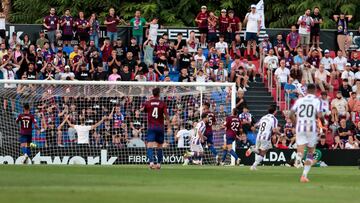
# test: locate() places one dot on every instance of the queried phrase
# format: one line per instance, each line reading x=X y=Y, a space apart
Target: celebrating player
x=196 y=140
x=209 y=131
x=267 y=126
x=233 y=129
x=306 y=110
x=156 y=111
x=26 y=121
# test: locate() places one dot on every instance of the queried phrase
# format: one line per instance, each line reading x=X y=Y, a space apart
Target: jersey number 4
x=155 y=113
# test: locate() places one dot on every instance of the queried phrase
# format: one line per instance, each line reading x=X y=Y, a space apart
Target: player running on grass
x=156 y=112
x=196 y=149
x=27 y=120
x=209 y=131
x=233 y=129
x=307 y=109
x=267 y=126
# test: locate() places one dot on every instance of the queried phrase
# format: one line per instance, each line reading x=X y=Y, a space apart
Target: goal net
x=121 y=137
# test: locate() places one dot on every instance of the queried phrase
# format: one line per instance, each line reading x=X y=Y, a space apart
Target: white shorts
x=196 y=148
x=309 y=139
x=263 y=145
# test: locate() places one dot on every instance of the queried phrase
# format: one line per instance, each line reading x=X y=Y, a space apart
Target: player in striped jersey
x=195 y=142
x=268 y=125
x=233 y=130
x=209 y=131
x=306 y=109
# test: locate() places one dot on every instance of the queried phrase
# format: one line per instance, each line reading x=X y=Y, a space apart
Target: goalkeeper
x=317 y=162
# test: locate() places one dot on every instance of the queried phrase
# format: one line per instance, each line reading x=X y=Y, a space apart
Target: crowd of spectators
x=295 y=59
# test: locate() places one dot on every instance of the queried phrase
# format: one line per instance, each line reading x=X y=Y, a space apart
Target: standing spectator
x=305 y=22
x=106 y=50
x=315 y=29
x=342 y=24
x=202 y=22
x=240 y=101
x=253 y=25
x=224 y=24
x=149 y=52
x=151 y=76
x=125 y=74
x=282 y=73
x=42 y=40
x=134 y=48
x=321 y=80
x=324 y=103
x=293 y=40
x=279 y=46
x=192 y=43
x=51 y=23
x=235 y=26
x=181 y=43
x=9 y=70
x=94 y=30
x=82 y=26
x=13 y=41
x=120 y=49
x=66 y=23
x=137 y=23
x=111 y=21
x=153 y=30
x=212 y=35
x=184 y=59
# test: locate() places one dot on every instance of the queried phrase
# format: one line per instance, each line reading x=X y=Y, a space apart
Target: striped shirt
x=306 y=109
x=266 y=125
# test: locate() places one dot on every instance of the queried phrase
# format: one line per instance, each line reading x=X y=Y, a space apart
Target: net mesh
x=121 y=137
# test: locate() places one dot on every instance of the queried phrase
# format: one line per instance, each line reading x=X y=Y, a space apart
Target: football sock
x=160 y=156
x=299 y=157
x=213 y=150
x=28 y=151
x=232 y=152
x=23 y=150
x=258 y=160
x=224 y=155
x=150 y=154
x=306 y=170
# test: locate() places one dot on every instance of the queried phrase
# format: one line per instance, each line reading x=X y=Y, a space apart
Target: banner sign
x=85 y=155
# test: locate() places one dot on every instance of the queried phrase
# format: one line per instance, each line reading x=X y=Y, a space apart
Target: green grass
x=67 y=184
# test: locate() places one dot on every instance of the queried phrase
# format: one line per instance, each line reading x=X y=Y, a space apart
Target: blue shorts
x=210 y=139
x=251 y=36
x=25 y=138
x=229 y=140
x=155 y=135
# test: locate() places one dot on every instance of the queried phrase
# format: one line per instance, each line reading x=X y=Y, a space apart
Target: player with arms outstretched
x=268 y=125
x=156 y=112
x=27 y=120
x=209 y=131
x=196 y=148
x=233 y=130
x=307 y=110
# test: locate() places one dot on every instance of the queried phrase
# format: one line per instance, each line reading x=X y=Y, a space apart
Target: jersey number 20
x=309 y=110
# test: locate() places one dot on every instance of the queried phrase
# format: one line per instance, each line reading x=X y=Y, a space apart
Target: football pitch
x=173 y=184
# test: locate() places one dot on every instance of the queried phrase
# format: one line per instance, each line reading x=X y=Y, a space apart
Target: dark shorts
x=210 y=138
x=25 y=138
x=67 y=37
x=203 y=30
x=251 y=36
x=212 y=37
x=83 y=36
x=229 y=140
x=315 y=32
x=155 y=135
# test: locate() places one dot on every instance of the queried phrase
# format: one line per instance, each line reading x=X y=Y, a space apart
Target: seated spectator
x=354 y=103
x=42 y=40
x=125 y=74
x=240 y=101
x=282 y=73
x=281 y=143
x=151 y=76
x=307 y=73
x=100 y=74
x=246 y=120
x=134 y=48
x=338 y=143
x=322 y=143
x=160 y=65
x=289 y=131
x=340 y=104
x=355 y=62
x=357 y=133
x=343 y=131
x=221 y=74
x=114 y=60
x=82 y=73
x=351 y=144
x=299 y=58
x=340 y=61
x=327 y=61
x=314 y=57
x=222 y=48
x=199 y=58
x=250 y=70
x=321 y=79
x=334 y=120
x=271 y=61
x=192 y=43
x=140 y=77
x=345 y=89
x=289 y=61
x=279 y=46
x=184 y=76
x=114 y=76
x=296 y=73
x=325 y=103
x=67 y=74
x=348 y=74
x=356 y=87
x=243 y=143
x=290 y=91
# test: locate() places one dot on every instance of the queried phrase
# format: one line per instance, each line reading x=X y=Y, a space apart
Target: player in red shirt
x=202 y=21
x=156 y=112
x=26 y=126
x=209 y=131
x=233 y=130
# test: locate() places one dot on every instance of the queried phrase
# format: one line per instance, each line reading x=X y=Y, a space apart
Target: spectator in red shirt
x=202 y=21
x=111 y=21
x=51 y=23
x=82 y=26
x=235 y=26
x=106 y=52
x=223 y=23
x=67 y=23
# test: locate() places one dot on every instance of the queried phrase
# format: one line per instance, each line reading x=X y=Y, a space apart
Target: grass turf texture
x=67 y=184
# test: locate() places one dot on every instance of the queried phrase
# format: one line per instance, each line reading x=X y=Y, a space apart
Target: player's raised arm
x=98 y=123
x=69 y=123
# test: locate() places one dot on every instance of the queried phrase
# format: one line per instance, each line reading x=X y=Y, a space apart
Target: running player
x=196 y=149
x=268 y=125
x=209 y=131
x=306 y=109
x=156 y=112
x=233 y=129
x=26 y=120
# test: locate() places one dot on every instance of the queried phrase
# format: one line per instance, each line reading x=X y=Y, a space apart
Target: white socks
x=258 y=160
x=306 y=170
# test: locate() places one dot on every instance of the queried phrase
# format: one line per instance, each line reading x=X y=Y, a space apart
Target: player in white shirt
x=268 y=125
x=196 y=149
x=307 y=109
x=182 y=137
x=83 y=130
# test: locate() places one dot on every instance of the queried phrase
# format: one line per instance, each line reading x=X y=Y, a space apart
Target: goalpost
x=120 y=138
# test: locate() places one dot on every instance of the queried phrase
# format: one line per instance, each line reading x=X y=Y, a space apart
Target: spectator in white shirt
x=305 y=22
x=321 y=78
x=282 y=73
x=340 y=62
x=222 y=48
x=348 y=74
x=327 y=61
x=253 y=25
x=357 y=74
x=199 y=58
x=271 y=61
x=67 y=74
